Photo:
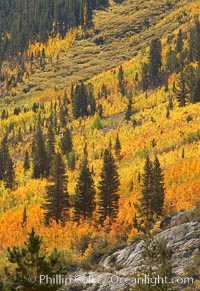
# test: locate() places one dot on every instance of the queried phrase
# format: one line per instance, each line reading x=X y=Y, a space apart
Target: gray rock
x=184 y=241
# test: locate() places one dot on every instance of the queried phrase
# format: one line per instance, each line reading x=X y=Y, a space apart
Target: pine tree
x=196 y=94
x=66 y=142
x=155 y=62
x=108 y=188
x=117 y=147
x=24 y=218
x=30 y=262
x=57 y=205
x=39 y=154
x=182 y=91
x=9 y=176
x=128 y=110
x=145 y=208
x=50 y=143
x=84 y=194
x=158 y=190
x=7 y=173
x=26 y=161
x=156 y=257
x=179 y=42
x=121 y=83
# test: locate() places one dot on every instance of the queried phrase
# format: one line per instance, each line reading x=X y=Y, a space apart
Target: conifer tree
x=50 y=143
x=108 y=188
x=7 y=173
x=26 y=161
x=58 y=204
x=196 y=94
x=117 y=147
x=145 y=207
x=128 y=110
x=121 y=83
x=30 y=262
x=155 y=62
x=39 y=153
x=156 y=263
x=182 y=90
x=158 y=191
x=66 y=142
x=84 y=194
x=9 y=176
x=145 y=77
x=179 y=42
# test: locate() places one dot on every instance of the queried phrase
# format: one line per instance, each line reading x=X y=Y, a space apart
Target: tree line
x=25 y=21
x=179 y=60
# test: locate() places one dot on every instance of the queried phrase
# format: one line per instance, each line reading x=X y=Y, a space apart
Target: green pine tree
x=84 y=194
x=39 y=154
x=31 y=262
x=108 y=188
x=26 y=161
x=66 y=142
x=117 y=147
x=121 y=82
x=128 y=112
x=182 y=90
x=158 y=191
x=57 y=202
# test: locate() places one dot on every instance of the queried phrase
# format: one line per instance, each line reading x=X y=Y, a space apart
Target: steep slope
x=120 y=32
x=121 y=36
x=120 y=269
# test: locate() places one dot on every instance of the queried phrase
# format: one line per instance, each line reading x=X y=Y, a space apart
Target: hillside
x=121 y=92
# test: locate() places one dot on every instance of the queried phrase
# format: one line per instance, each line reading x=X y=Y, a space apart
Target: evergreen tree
x=84 y=194
x=172 y=64
x=26 y=161
x=30 y=262
x=66 y=142
x=196 y=94
x=117 y=147
x=24 y=218
x=155 y=62
x=121 y=83
x=182 y=91
x=158 y=191
x=39 y=154
x=50 y=143
x=71 y=159
x=108 y=188
x=80 y=101
x=128 y=110
x=156 y=265
x=57 y=205
x=145 y=208
x=104 y=91
x=7 y=173
x=145 y=77
x=179 y=42
x=9 y=176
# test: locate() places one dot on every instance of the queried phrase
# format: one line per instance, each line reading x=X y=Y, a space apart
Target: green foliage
x=66 y=142
x=57 y=205
x=97 y=124
x=108 y=188
x=182 y=90
x=39 y=154
x=7 y=173
x=155 y=62
x=156 y=266
x=84 y=194
x=153 y=194
x=31 y=262
x=34 y=20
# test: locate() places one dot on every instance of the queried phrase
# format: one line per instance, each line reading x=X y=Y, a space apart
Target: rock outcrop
x=118 y=268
